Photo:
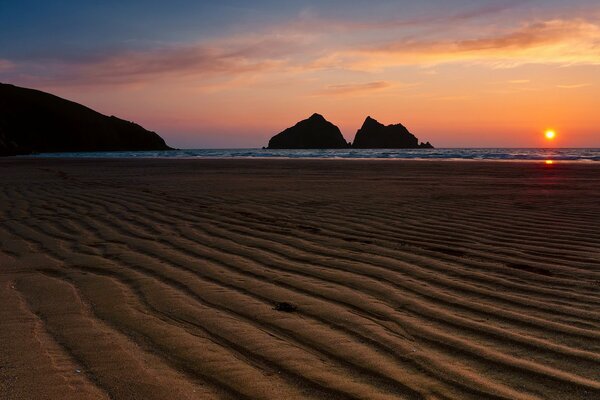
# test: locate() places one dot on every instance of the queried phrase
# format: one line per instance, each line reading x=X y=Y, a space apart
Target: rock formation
x=32 y=121
x=374 y=135
x=312 y=133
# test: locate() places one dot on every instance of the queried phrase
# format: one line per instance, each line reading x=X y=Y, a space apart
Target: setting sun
x=550 y=134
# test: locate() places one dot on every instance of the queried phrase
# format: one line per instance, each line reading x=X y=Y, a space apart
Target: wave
x=498 y=154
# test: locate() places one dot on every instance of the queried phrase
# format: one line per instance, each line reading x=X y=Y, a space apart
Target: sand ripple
x=157 y=279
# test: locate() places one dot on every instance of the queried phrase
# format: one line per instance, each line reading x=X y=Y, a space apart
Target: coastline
x=326 y=159
x=333 y=159
x=442 y=154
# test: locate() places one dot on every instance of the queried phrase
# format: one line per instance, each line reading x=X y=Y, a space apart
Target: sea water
x=579 y=154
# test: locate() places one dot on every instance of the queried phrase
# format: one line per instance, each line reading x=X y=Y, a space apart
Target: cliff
x=312 y=133
x=32 y=121
x=374 y=135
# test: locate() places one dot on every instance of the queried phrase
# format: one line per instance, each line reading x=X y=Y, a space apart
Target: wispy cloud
x=452 y=98
x=229 y=57
x=354 y=88
x=295 y=52
x=313 y=22
x=562 y=42
x=573 y=86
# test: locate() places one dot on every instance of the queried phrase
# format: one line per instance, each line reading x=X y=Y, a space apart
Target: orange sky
x=493 y=77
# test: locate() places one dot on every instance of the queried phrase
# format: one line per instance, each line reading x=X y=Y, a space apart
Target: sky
x=231 y=74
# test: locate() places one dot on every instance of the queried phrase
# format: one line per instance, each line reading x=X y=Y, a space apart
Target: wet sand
x=157 y=279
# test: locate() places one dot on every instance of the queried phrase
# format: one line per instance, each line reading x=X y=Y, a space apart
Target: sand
x=157 y=279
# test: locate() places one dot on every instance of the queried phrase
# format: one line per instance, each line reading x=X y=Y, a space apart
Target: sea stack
x=312 y=133
x=374 y=135
x=32 y=121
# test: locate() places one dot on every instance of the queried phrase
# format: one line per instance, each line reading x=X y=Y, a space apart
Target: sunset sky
x=457 y=73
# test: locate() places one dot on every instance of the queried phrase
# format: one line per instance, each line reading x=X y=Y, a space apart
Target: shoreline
x=583 y=155
x=555 y=161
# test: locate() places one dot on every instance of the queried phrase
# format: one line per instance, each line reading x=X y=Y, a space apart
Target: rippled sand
x=157 y=279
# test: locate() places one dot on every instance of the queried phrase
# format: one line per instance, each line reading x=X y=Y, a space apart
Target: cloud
x=574 y=86
x=293 y=52
x=452 y=98
x=310 y=21
x=354 y=88
x=562 y=42
x=228 y=58
x=298 y=46
x=178 y=61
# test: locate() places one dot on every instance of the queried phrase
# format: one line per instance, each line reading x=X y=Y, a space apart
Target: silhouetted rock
x=312 y=133
x=285 y=307
x=32 y=121
x=373 y=135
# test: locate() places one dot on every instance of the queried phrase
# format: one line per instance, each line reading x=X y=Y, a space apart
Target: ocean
x=530 y=154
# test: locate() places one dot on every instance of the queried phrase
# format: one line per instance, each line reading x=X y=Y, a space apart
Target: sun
x=550 y=134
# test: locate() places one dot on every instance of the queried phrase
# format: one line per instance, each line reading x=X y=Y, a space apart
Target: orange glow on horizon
x=438 y=110
x=549 y=162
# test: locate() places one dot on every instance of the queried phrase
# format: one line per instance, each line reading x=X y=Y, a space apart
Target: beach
x=160 y=279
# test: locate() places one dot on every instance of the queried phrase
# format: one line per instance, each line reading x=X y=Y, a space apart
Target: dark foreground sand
x=434 y=280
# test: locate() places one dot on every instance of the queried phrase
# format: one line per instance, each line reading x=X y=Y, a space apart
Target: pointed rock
x=312 y=133
x=374 y=135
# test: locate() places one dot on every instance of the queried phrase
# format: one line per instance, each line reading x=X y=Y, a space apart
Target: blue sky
x=40 y=29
